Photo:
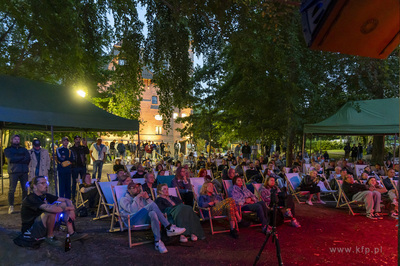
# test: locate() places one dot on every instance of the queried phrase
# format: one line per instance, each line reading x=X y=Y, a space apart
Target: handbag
x=66 y=163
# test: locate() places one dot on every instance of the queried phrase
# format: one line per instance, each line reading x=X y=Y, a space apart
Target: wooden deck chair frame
x=117 y=214
x=196 y=194
x=79 y=202
x=344 y=201
x=196 y=181
x=325 y=190
x=103 y=202
x=111 y=177
x=292 y=189
x=257 y=187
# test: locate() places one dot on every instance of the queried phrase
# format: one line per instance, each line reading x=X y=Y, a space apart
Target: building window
x=158 y=117
x=154 y=100
x=158 y=130
x=175 y=115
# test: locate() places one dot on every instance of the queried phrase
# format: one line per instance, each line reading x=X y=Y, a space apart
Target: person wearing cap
x=98 y=155
x=78 y=167
x=40 y=161
x=64 y=163
x=143 y=210
x=18 y=167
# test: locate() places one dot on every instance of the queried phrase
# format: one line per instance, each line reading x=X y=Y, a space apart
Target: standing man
x=359 y=151
x=254 y=151
x=18 y=161
x=162 y=147
x=112 y=149
x=121 y=149
x=98 y=155
x=347 y=150
x=246 y=150
x=40 y=161
x=237 y=150
x=79 y=164
x=64 y=166
x=177 y=147
x=133 y=150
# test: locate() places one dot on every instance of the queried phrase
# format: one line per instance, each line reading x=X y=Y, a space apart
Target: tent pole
x=1 y=161
x=54 y=161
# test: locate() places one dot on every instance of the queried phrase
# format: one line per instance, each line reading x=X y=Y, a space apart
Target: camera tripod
x=273 y=233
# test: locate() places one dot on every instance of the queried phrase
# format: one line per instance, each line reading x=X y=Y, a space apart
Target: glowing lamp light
x=81 y=93
x=184 y=115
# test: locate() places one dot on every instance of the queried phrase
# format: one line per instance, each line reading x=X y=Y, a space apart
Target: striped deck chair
x=293 y=181
x=106 y=201
x=344 y=201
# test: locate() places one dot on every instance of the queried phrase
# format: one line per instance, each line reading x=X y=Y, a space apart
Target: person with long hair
x=182 y=182
x=180 y=214
x=284 y=200
x=220 y=206
x=388 y=200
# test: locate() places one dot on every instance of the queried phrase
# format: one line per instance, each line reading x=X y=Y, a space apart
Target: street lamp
x=81 y=93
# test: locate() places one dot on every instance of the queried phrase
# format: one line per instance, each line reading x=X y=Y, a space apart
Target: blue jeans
x=64 y=181
x=97 y=168
x=150 y=214
x=261 y=209
x=77 y=172
x=23 y=179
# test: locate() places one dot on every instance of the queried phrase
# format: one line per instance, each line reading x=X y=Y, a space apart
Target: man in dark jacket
x=18 y=162
x=79 y=164
x=65 y=157
x=121 y=149
x=246 y=150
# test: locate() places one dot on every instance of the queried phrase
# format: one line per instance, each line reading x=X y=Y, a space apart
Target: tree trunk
x=378 y=150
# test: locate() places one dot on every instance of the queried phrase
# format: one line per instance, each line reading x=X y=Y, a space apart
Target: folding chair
x=106 y=200
x=344 y=201
x=166 y=179
x=359 y=169
x=286 y=170
x=172 y=191
x=324 y=190
x=132 y=173
x=293 y=181
x=128 y=167
x=205 y=213
x=111 y=177
x=79 y=202
x=257 y=187
x=196 y=182
x=227 y=186
x=306 y=168
x=139 y=180
x=118 y=192
x=209 y=172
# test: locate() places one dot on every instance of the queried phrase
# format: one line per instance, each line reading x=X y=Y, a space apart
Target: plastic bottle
x=67 y=243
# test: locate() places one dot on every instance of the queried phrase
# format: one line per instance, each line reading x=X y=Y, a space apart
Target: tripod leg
x=278 y=248
x=261 y=250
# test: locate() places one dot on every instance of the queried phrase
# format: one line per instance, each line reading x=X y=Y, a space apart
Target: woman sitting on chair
x=182 y=182
x=248 y=202
x=388 y=198
x=284 y=200
x=89 y=191
x=180 y=214
x=149 y=184
x=310 y=183
x=117 y=166
x=227 y=207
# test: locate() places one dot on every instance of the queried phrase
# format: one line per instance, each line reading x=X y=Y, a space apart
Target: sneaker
x=295 y=223
x=234 y=233
x=10 y=209
x=394 y=215
x=175 y=231
x=183 y=239
x=193 y=237
x=321 y=202
x=77 y=236
x=160 y=247
x=309 y=202
x=53 y=241
x=371 y=216
x=288 y=214
x=378 y=216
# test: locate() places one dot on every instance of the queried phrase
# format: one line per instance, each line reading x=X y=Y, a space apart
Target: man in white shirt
x=98 y=155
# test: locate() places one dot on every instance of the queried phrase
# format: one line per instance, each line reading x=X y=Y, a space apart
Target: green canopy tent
x=370 y=117
x=33 y=105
